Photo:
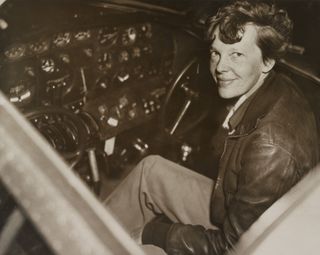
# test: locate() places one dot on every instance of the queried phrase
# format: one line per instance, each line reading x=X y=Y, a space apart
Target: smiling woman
x=111 y=83
x=259 y=162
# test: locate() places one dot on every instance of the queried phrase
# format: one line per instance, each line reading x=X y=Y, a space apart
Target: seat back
x=290 y=226
x=307 y=79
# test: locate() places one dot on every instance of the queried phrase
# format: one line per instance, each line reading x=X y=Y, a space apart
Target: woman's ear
x=268 y=65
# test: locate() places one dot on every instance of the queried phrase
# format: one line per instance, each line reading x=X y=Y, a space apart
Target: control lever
x=190 y=95
x=96 y=182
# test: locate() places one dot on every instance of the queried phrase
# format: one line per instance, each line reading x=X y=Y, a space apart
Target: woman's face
x=239 y=67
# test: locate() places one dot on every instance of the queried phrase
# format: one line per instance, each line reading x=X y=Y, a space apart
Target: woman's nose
x=222 y=64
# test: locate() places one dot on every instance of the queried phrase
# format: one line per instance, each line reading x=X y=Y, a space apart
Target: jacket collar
x=255 y=108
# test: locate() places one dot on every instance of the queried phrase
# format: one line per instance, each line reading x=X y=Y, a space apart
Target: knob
x=113 y=122
x=185 y=151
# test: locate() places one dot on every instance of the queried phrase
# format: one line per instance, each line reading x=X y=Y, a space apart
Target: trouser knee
x=150 y=165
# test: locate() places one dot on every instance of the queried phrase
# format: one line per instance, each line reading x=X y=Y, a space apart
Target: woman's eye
x=214 y=54
x=237 y=54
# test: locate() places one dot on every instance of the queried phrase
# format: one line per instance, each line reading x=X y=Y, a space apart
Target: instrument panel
x=101 y=69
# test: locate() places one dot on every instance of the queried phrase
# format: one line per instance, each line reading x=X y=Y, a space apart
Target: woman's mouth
x=224 y=82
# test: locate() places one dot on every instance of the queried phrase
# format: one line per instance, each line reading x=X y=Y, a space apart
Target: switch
x=103 y=109
x=132 y=113
x=123 y=101
x=113 y=122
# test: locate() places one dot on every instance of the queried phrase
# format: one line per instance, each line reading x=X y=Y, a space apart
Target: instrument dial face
x=21 y=85
x=15 y=52
x=107 y=36
x=105 y=61
x=147 y=30
x=123 y=56
x=39 y=46
x=82 y=35
x=21 y=93
x=136 y=52
x=48 y=65
x=129 y=36
x=62 y=39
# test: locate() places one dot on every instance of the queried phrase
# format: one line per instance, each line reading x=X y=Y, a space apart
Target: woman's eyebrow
x=236 y=49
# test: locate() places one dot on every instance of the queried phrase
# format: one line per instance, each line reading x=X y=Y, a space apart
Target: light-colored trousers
x=159 y=186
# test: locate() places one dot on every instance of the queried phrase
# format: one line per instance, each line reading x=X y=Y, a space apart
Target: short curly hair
x=274 y=26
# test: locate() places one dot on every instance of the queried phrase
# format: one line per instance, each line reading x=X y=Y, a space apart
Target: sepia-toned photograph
x=159 y=127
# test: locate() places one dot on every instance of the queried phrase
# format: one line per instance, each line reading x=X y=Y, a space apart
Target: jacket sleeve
x=267 y=172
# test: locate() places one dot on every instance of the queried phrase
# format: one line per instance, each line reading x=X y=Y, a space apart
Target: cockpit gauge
x=122 y=76
x=65 y=58
x=15 y=52
x=103 y=83
x=105 y=61
x=39 y=46
x=136 y=52
x=107 y=36
x=22 y=92
x=147 y=30
x=62 y=39
x=147 y=49
x=88 y=52
x=129 y=36
x=22 y=86
x=82 y=35
x=48 y=65
x=123 y=56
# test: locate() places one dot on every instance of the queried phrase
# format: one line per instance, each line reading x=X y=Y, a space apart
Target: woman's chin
x=227 y=93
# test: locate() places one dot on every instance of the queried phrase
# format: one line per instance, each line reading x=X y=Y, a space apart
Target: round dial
x=147 y=30
x=82 y=35
x=123 y=56
x=136 y=52
x=107 y=36
x=15 y=52
x=39 y=46
x=48 y=65
x=22 y=92
x=105 y=61
x=62 y=39
x=21 y=86
x=129 y=36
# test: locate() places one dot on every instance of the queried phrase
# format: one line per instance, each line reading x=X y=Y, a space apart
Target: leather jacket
x=274 y=144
